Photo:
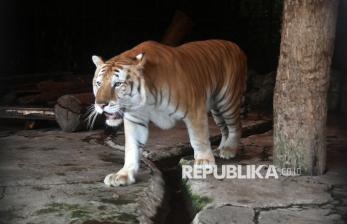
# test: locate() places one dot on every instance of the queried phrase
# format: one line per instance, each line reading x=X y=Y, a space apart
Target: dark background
x=44 y=36
x=53 y=36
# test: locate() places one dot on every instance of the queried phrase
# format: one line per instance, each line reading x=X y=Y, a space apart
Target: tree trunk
x=300 y=107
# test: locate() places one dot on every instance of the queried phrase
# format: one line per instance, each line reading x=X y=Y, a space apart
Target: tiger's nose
x=102 y=105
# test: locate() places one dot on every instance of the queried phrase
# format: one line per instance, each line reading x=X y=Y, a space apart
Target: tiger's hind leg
x=232 y=144
x=219 y=120
x=227 y=117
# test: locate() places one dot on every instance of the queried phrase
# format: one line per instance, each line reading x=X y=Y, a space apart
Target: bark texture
x=300 y=107
x=70 y=111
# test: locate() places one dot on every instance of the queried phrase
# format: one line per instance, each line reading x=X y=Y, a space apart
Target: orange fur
x=191 y=69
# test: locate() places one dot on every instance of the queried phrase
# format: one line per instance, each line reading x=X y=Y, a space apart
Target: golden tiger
x=163 y=84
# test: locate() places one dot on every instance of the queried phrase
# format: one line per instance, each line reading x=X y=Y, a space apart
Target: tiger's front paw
x=204 y=159
x=228 y=153
x=121 y=178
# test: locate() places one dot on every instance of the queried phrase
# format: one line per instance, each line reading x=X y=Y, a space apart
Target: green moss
x=124 y=217
x=79 y=213
x=188 y=160
x=56 y=207
x=198 y=202
x=63 y=206
x=76 y=211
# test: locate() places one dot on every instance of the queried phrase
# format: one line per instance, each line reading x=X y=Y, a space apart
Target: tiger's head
x=118 y=86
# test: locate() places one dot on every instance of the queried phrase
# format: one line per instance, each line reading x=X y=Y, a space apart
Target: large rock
x=301 y=215
x=225 y=215
x=54 y=177
x=296 y=199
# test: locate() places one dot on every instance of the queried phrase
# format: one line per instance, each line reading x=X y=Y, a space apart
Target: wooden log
x=27 y=113
x=70 y=111
x=180 y=26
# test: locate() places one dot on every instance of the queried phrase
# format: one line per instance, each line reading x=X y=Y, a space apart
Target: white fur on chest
x=162 y=119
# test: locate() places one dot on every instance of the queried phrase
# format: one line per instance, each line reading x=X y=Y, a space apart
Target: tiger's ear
x=97 y=60
x=140 y=59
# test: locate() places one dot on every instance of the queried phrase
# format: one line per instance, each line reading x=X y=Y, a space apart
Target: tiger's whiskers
x=90 y=116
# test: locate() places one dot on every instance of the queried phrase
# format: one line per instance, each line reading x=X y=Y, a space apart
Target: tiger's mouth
x=116 y=115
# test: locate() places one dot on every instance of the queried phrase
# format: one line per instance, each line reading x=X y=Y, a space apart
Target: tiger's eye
x=117 y=84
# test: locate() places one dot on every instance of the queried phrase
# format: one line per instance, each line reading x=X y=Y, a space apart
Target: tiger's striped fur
x=162 y=84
